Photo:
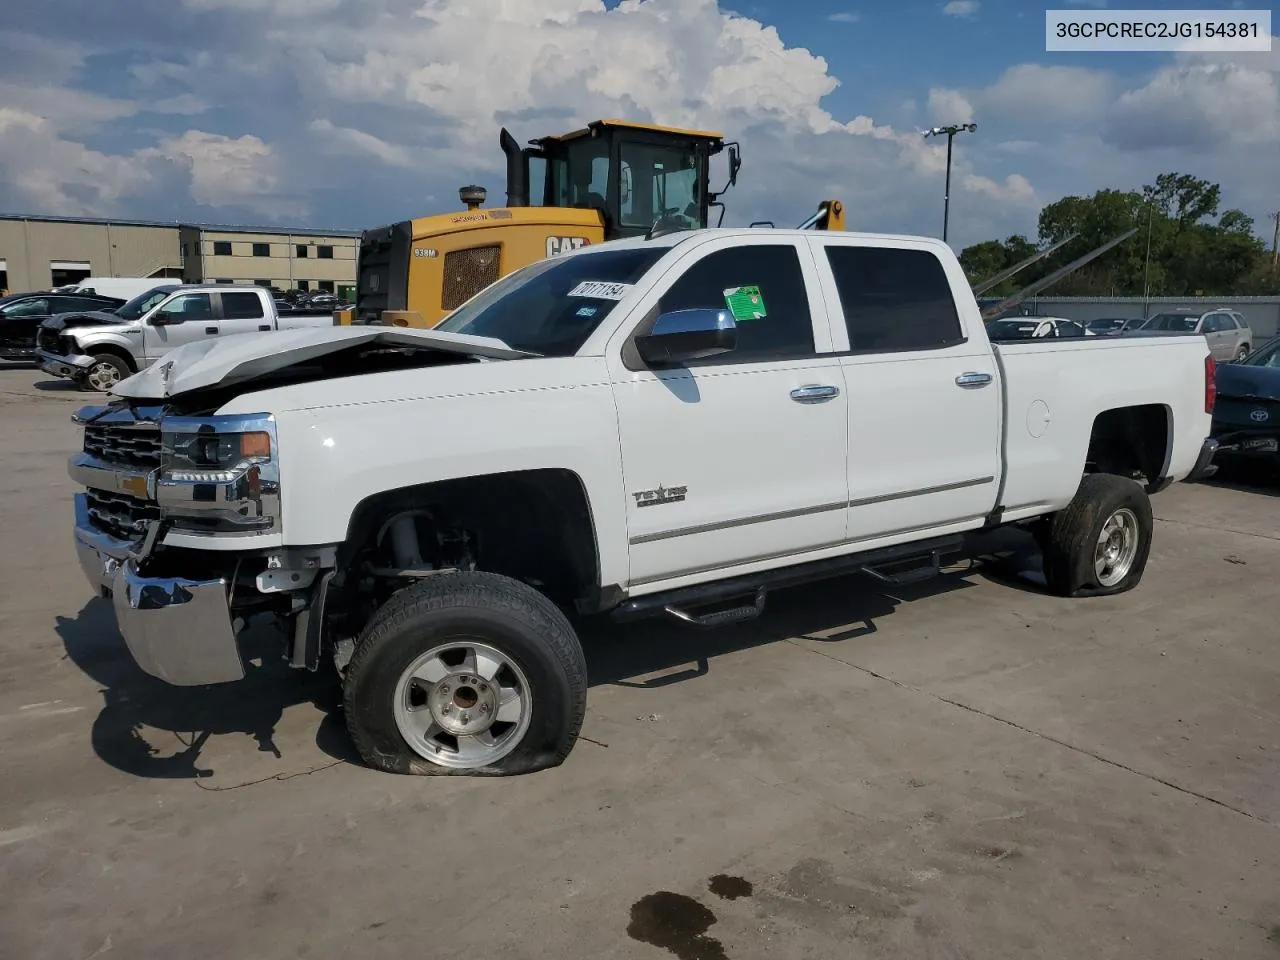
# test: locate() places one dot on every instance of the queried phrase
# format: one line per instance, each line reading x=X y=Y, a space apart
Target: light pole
x=951 y=132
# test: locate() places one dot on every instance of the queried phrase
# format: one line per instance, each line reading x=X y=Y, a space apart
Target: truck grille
x=133 y=446
x=467 y=272
x=121 y=515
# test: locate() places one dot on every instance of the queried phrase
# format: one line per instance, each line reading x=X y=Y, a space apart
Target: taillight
x=1210 y=383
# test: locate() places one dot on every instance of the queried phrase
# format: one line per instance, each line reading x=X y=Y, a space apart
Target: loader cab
x=634 y=175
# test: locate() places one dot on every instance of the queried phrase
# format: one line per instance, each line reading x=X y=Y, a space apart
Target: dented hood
x=244 y=357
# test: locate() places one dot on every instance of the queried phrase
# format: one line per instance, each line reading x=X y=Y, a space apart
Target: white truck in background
x=98 y=349
x=124 y=288
x=673 y=425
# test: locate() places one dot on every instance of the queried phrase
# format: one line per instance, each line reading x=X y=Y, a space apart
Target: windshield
x=1177 y=322
x=657 y=182
x=1012 y=329
x=552 y=306
x=140 y=304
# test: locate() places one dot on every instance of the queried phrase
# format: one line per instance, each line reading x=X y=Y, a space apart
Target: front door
x=186 y=318
x=740 y=458
x=924 y=400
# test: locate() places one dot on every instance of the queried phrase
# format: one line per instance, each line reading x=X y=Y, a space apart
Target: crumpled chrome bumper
x=177 y=630
x=1204 y=466
x=72 y=367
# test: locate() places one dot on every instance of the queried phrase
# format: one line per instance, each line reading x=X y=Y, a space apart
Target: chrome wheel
x=1242 y=354
x=102 y=376
x=1117 y=547
x=463 y=704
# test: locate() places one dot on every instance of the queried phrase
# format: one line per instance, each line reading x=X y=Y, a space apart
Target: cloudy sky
x=351 y=113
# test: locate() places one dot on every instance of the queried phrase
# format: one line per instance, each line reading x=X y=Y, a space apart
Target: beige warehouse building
x=37 y=253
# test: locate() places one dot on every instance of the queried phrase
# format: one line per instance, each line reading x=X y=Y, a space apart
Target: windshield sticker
x=599 y=290
x=745 y=303
x=587 y=311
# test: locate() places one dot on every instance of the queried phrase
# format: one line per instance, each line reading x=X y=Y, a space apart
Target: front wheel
x=105 y=373
x=1099 y=544
x=466 y=673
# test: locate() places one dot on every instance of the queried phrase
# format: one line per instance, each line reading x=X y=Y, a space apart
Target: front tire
x=466 y=673
x=1099 y=544
x=106 y=372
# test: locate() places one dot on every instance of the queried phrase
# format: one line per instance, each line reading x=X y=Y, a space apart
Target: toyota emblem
x=1260 y=416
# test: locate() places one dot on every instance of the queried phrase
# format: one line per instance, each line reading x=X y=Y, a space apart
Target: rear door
x=1219 y=332
x=924 y=400
x=243 y=311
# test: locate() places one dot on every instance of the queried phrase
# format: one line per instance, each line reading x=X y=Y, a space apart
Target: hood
x=1240 y=380
x=93 y=318
x=207 y=364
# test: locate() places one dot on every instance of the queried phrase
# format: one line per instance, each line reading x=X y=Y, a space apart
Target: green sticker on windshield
x=745 y=303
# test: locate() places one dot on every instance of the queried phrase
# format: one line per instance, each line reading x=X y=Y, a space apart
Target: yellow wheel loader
x=611 y=179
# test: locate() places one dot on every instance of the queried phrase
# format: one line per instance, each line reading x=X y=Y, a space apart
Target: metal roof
x=180 y=224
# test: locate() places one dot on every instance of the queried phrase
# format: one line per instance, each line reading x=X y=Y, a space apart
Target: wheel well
x=117 y=352
x=1130 y=442
x=532 y=525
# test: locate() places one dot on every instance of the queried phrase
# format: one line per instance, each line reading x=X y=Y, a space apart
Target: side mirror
x=161 y=319
x=683 y=335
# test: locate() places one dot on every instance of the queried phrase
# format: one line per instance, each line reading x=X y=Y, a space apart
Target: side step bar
x=922 y=560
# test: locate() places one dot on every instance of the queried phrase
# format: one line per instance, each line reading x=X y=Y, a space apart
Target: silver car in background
x=1226 y=331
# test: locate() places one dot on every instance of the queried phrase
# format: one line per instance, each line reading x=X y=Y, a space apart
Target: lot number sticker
x=599 y=290
x=745 y=303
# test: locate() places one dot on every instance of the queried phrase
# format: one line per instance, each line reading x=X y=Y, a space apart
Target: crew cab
x=664 y=426
x=21 y=315
x=98 y=350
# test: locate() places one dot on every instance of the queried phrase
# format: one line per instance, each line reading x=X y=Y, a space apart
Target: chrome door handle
x=814 y=393
x=973 y=379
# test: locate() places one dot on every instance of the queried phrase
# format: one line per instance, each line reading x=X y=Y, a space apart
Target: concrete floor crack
x=1042 y=736
x=1205 y=526
x=279 y=776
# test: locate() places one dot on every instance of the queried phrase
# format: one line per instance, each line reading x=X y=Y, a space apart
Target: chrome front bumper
x=177 y=630
x=72 y=367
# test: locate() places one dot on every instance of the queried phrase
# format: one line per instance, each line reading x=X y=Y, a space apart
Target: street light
x=951 y=132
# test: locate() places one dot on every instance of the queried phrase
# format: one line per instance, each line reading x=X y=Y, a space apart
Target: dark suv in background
x=21 y=315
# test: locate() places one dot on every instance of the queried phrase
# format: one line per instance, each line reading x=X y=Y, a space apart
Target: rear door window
x=242 y=306
x=894 y=299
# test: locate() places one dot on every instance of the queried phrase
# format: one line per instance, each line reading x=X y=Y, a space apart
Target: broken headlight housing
x=220 y=474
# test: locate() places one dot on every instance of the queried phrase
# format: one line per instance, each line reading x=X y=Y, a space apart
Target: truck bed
x=1052 y=400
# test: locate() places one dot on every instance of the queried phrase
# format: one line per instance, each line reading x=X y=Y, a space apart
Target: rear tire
x=1099 y=544
x=1242 y=353
x=106 y=372
x=467 y=674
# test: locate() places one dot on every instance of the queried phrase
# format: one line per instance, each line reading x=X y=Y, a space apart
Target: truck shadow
x=1260 y=477
x=149 y=729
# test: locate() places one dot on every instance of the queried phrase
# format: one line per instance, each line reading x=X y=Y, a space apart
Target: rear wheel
x=466 y=673
x=106 y=372
x=1100 y=543
x=1242 y=353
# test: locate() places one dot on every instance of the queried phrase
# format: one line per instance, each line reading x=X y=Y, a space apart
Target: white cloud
x=1198 y=106
x=949 y=106
x=1049 y=94
x=1015 y=188
x=961 y=8
x=845 y=16
x=184 y=104
x=228 y=171
x=69 y=179
x=349 y=140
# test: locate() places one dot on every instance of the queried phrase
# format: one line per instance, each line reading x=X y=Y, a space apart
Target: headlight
x=205 y=456
x=220 y=474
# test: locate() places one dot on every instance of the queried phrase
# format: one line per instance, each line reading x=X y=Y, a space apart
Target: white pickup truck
x=673 y=425
x=98 y=349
